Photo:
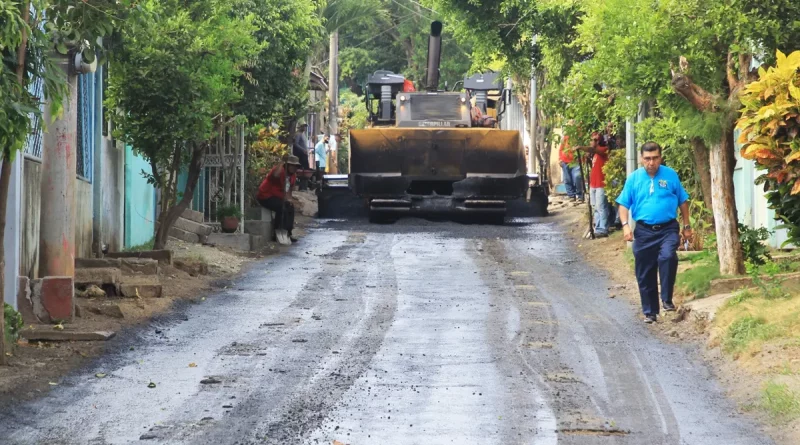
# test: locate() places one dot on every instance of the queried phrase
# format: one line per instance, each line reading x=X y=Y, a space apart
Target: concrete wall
x=31 y=216
x=83 y=219
x=113 y=195
x=140 y=201
x=31 y=211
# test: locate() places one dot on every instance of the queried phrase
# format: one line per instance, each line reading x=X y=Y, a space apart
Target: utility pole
x=333 y=99
x=59 y=151
x=533 y=155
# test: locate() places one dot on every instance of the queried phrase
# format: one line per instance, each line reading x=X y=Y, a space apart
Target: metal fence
x=33 y=144
x=222 y=179
x=85 y=130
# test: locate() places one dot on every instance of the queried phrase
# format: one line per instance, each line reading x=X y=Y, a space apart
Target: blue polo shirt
x=653 y=200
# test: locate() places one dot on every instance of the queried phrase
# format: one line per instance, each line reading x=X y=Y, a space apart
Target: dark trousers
x=284 y=212
x=655 y=251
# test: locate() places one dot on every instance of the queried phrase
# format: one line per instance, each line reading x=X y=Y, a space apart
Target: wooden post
x=333 y=99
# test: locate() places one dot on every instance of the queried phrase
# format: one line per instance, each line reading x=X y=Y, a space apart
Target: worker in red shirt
x=570 y=171
x=597 y=183
x=275 y=192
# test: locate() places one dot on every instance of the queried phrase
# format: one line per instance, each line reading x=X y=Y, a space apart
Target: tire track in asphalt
x=438 y=377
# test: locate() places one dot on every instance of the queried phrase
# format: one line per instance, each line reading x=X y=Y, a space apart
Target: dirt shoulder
x=36 y=367
x=764 y=380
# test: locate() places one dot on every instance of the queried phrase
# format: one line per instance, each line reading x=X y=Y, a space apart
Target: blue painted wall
x=140 y=201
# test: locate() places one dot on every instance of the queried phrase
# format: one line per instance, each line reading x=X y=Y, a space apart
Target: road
x=413 y=333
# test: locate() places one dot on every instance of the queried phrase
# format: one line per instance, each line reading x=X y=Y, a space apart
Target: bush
x=231 y=210
x=13 y=323
x=769 y=131
x=752 y=241
x=615 y=171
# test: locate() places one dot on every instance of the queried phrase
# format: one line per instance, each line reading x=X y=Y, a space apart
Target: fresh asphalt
x=412 y=333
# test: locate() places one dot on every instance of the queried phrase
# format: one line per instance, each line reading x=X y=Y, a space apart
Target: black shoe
x=601 y=235
x=293 y=239
x=669 y=307
x=649 y=319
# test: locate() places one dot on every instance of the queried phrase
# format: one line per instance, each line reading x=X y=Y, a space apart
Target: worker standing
x=653 y=194
x=321 y=153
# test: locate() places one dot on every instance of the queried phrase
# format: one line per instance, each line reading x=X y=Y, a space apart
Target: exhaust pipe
x=434 y=55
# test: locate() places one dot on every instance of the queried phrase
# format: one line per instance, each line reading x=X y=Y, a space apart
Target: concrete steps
x=191 y=215
x=192 y=226
x=125 y=277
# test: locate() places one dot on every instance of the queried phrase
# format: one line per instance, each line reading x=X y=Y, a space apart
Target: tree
x=175 y=79
x=705 y=49
x=274 y=87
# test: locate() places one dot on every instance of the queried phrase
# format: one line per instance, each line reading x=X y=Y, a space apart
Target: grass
x=747 y=329
x=697 y=280
x=628 y=255
x=780 y=402
x=141 y=247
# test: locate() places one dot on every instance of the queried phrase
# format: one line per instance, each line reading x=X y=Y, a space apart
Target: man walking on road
x=274 y=194
x=571 y=171
x=597 y=183
x=651 y=197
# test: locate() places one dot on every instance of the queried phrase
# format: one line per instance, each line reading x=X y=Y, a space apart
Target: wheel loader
x=434 y=153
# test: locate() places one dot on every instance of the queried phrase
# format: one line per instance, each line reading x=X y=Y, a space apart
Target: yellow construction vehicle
x=435 y=152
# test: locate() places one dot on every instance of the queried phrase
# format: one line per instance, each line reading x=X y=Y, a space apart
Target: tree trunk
x=722 y=162
x=723 y=202
x=701 y=163
x=168 y=218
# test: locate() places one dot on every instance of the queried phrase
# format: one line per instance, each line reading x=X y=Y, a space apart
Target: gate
x=221 y=181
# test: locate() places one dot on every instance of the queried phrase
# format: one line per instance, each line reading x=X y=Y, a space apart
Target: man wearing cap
x=651 y=196
x=300 y=146
x=275 y=192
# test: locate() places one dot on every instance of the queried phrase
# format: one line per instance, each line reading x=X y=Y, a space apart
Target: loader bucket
x=436 y=154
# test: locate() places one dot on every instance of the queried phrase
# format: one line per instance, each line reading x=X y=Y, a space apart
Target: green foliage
x=753 y=247
x=769 y=131
x=780 y=402
x=13 y=323
x=226 y=211
x=697 y=280
x=741 y=297
x=764 y=278
x=176 y=78
x=746 y=329
x=275 y=81
x=615 y=171
x=394 y=36
x=141 y=247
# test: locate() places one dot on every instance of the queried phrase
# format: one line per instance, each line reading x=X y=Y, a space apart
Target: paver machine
x=433 y=152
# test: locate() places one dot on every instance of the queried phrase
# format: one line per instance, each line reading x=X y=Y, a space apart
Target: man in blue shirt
x=321 y=153
x=651 y=197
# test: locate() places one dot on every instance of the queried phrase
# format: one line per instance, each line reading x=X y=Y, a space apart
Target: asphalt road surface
x=413 y=333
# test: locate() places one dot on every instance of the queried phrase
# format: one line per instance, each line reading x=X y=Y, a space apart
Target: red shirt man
x=273 y=184
x=597 y=179
x=565 y=153
x=272 y=195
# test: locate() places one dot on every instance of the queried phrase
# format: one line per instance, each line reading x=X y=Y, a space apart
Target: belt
x=658 y=226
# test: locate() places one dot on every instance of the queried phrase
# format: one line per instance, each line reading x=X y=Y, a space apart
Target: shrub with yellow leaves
x=770 y=126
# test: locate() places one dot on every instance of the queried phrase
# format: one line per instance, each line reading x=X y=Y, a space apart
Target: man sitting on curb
x=275 y=194
x=653 y=194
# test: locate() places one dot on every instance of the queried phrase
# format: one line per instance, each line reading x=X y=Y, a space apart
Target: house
x=109 y=200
